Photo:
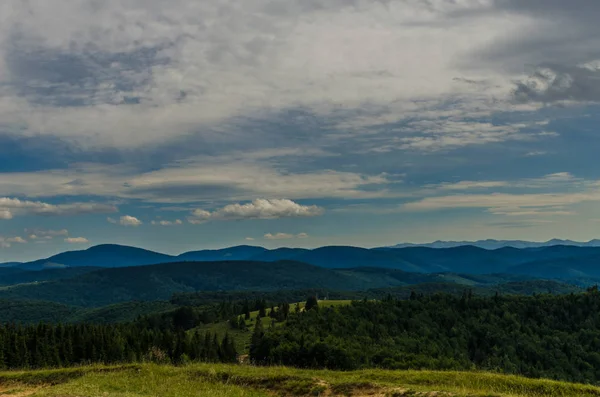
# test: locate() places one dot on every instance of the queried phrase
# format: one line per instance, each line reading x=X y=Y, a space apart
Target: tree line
x=48 y=345
x=548 y=336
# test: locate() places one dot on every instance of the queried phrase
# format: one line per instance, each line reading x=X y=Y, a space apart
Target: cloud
x=257 y=209
x=536 y=153
x=558 y=83
x=468 y=185
x=10 y=207
x=284 y=236
x=76 y=240
x=205 y=104
x=167 y=223
x=550 y=195
x=36 y=234
x=126 y=220
x=249 y=239
x=506 y=203
x=434 y=135
x=6 y=242
x=207 y=178
x=19 y=240
x=120 y=74
x=555 y=180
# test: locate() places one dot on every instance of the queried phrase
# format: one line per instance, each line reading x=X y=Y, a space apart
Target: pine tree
x=311 y=303
x=255 y=341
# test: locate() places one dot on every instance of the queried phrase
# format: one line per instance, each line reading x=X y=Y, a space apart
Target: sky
x=186 y=125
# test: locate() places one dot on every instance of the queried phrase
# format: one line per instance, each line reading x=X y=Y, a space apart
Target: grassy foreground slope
x=248 y=381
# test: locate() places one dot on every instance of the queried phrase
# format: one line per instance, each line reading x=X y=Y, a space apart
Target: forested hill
x=543 y=336
x=160 y=282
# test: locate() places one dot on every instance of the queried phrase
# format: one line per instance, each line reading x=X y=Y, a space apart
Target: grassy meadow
x=247 y=381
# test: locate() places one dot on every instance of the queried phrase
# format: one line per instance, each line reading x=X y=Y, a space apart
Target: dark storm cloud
x=560 y=83
x=562 y=36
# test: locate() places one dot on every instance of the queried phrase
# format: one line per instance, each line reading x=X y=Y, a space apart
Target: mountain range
x=491 y=244
x=110 y=274
x=463 y=259
x=555 y=261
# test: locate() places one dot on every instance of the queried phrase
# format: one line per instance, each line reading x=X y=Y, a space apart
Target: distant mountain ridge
x=114 y=255
x=492 y=244
x=554 y=261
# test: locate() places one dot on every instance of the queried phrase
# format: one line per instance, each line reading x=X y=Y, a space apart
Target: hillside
x=239 y=253
x=34 y=311
x=219 y=380
x=13 y=276
x=108 y=255
x=561 y=268
x=31 y=311
x=160 y=282
x=544 y=336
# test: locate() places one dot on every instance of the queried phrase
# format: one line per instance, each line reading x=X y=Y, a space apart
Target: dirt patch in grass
x=298 y=386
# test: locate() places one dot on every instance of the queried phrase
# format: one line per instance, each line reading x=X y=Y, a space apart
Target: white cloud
x=284 y=236
x=249 y=239
x=77 y=240
x=467 y=185
x=167 y=223
x=520 y=198
x=433 y=135
x=534 y=153
x=257 y=209
x=199 y=64
x=505 y=203
x=10 y=207
x=19 y=240
x=192 y=181
x=6 y=242
x=36 y=234
x=547 y=181
x=126 y=220
x=278 y=236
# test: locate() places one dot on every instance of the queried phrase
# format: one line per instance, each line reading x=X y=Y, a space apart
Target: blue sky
x=186 y=125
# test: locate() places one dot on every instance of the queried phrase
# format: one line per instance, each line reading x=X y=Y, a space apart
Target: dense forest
x=542 y=336
x=545 y=335
x=46 y=345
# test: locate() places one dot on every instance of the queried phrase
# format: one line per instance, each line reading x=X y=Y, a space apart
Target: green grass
x=247 y=381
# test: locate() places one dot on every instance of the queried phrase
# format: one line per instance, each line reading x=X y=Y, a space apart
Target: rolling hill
x=14 y=276
x=238 y=253
x=107 y=255
x=160 y=282
x=561 y=268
